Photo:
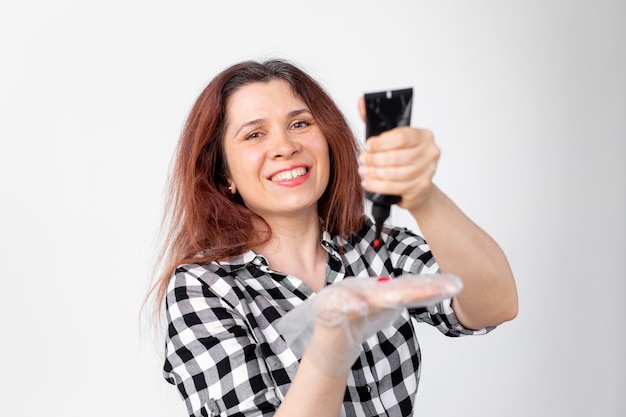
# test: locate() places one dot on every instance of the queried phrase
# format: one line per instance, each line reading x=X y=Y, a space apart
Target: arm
x=461 y=247
x=402 y=162
x=315 y=391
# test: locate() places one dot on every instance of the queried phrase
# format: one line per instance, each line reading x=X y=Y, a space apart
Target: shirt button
x=364 y=392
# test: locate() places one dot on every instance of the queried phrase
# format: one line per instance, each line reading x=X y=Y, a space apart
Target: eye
x=253 y=135
x=300 y=124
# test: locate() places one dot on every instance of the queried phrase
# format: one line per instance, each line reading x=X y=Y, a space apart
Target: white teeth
x=289 y=175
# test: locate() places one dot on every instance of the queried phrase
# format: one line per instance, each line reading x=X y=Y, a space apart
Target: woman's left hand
x=401 y=161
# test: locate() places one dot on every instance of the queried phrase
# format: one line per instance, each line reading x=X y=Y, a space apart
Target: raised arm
x=402 y=162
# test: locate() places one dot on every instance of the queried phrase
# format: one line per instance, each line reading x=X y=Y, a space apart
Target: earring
x=232 y=188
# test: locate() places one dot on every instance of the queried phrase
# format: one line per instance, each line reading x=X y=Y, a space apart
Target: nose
x=283 y=145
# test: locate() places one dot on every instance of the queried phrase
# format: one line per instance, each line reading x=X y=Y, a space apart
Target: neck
x=295 y=247
x=293 y=236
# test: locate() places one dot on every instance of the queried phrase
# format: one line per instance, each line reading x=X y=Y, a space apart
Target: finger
x=392 y=158
x=410 y=157
x=399 y=297
x=405 y=173
x=412 y=192
x=400 y=138
x=378 y=186
x=361 y=107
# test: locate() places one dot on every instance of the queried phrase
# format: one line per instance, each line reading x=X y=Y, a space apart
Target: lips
x=289 y=174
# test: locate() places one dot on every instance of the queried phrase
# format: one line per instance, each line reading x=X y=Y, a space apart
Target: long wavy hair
x=203 y=220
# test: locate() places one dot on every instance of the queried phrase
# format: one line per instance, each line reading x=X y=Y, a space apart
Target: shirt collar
x=251 y=257
x=241 y=261
x=328 y=243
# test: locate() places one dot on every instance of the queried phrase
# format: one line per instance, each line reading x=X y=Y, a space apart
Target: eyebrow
x=291 y=114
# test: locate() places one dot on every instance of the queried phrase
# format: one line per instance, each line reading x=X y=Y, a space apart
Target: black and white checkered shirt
x=227 y=358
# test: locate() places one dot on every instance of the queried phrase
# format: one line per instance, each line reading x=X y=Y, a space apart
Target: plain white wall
x=527 y=100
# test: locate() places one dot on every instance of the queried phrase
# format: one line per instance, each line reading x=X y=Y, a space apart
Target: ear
x=232 y=187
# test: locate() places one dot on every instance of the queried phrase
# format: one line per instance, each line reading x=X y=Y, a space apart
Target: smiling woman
x=206 y=219
x=276 y=154
x=265 y=211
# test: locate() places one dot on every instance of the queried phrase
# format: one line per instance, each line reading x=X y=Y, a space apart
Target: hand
x=330 y=327
x=401 y=161
x=343 y=319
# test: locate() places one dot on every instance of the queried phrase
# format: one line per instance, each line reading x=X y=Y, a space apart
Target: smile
x=289 y=175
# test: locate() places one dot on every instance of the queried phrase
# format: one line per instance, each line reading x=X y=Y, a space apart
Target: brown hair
x=203 y=221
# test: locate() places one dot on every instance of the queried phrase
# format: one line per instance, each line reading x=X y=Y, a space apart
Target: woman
x=266 y=210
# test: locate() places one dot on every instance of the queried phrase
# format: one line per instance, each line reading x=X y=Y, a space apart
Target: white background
x=527 y=100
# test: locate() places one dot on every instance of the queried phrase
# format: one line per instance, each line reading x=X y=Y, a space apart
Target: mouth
x=289 y=174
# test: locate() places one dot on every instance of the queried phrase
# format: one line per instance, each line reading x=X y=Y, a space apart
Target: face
x=277 y=156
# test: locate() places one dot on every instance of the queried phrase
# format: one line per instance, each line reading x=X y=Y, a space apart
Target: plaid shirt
x=227 y=358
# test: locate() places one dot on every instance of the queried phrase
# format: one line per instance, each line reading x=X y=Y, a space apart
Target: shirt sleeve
x=210 y=354
x=412 y=255
x=442 y=316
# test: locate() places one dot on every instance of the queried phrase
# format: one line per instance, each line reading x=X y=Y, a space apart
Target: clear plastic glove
x=332 y=325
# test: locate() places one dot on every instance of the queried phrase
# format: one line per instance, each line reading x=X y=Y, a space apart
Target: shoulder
x=207 y=281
